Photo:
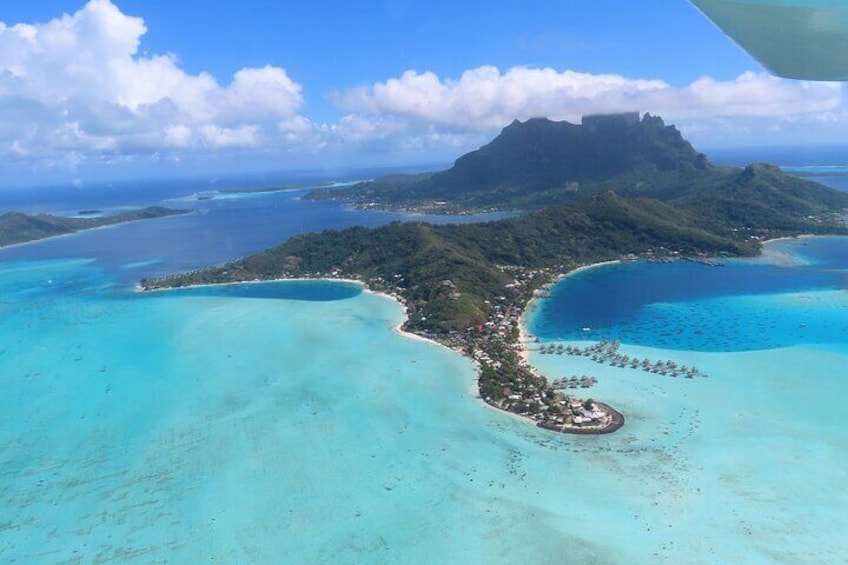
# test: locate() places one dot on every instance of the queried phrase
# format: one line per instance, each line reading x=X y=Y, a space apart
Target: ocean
x=225 y=227
x=288 y=422
x=741 y=306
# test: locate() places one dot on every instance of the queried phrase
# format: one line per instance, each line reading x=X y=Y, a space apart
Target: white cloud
x=80 y=87
x=755 y=96
x=483 y=98
x=243 y=136
x=78 y=82
x=264 y=94
x=178 y=136
x=418 y=113
x=486 y=98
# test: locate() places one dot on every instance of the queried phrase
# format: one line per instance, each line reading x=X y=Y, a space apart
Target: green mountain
x=477 y=259
x=613 y=187
x=761 y=199
x=540 y=163
x=20 y=228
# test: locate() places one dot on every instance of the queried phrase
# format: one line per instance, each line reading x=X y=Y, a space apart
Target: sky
x=111 y=89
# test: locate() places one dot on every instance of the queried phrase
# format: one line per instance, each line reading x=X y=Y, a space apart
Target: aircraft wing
x=800 y=39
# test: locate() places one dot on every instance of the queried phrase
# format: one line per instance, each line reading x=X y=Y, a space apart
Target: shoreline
x=91 y=229
x=588 y=267
x=616 y=423
x=788 y=238
x=616 y=419
x=774 y=255
x=611 y=420
x=396 y=328
x=525 y=337
x=139 y=288
x=59 y=236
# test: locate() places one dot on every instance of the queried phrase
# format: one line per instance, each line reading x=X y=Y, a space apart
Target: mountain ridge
x=17 y=227
x=466 y=285
x=539 y=163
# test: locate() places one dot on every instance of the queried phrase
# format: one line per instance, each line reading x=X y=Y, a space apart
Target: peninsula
x=640 y=191
x=18 y=228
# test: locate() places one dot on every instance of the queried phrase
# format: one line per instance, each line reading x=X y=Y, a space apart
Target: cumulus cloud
x=79 y=86
x=485 y=97
x=78 y=82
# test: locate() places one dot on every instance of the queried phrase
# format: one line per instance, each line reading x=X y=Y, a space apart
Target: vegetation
x=540 y=163
x=466 y=285
x=19 y=228
x=447 y=273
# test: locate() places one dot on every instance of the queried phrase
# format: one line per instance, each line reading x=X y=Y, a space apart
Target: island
x=634 y=190
x=16 y=227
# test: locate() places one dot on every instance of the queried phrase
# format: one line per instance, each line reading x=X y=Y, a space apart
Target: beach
x=259 y=428
x=525 y=338
x=85 y=230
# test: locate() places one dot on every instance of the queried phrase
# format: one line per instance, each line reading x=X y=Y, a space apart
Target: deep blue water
x=674 y=306
x=68 y=198
x=168 y=427
x=218 y=230
x=839 y=182
x=688 y=306
x=741 y=306
x=811 y=155
x=825 y=164
x=231 y=226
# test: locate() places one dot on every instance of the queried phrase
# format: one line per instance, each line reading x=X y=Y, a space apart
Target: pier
x=606 y=353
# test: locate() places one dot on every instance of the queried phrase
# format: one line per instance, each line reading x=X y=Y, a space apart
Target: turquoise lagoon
x=287 y=422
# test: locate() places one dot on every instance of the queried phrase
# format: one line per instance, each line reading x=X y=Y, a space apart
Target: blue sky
x=114 y=88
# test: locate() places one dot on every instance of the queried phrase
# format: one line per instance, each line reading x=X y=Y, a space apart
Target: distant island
x=21 y=228
x=616 y=187
x=541 y=163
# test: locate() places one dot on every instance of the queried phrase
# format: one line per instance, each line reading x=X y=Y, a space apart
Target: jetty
x=607 y=353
